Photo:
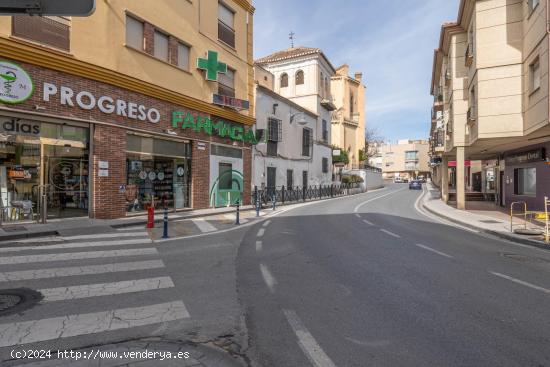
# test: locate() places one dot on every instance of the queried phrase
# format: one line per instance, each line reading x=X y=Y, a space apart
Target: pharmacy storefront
x=106 y=152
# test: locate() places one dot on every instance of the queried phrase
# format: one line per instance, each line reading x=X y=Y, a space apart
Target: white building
x=286 y=157
x=302 y=75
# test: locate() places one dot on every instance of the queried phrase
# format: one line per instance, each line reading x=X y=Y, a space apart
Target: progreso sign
x=221 y=128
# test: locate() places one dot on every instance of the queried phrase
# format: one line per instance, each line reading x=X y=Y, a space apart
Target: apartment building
x=348 y=121
x=490 y=87
x=407 y=159
x=142 y=104
x=283 y=157
x=302 y=75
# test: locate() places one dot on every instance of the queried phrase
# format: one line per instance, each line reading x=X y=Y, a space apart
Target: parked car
x=415 y=185
x=398 y=180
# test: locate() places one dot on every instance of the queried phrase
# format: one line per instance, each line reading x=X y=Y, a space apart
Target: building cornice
x=246 y=5
x=36 y=55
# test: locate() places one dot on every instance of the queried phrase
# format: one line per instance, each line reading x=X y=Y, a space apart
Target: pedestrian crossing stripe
x=26 y=259
x=77 y=245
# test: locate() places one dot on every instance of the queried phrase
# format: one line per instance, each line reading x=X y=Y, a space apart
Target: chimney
x=358 y=76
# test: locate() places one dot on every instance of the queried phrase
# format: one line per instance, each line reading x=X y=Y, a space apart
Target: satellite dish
x=74 y=8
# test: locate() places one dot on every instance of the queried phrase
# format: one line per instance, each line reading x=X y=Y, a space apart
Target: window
x=226 y=83
x=534 y=72
x=49 y=31
x=134 y=33
x=299 y=77
x=161 y=46
x=327 y=87
x=325 y=131
x=306 y=142
x=351 y=103
x=325 y=165
x=525 y=181
x=226 y=25
x=322 y=84
x=274 y=128
x=533 y=4
x=284 y=80
x=289 y=178
x=183 y=56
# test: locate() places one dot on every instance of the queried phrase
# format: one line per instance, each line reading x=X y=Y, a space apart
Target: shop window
x=134 y=33
x=225 y=151
x=226 y=25
x=525 y=181
x=161 y=46
x=48 y=31
x=226 y=83
x=158 y=174
x=226 y=177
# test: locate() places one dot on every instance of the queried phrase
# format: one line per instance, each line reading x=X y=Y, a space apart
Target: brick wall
x=200 y=174
x=109 y=145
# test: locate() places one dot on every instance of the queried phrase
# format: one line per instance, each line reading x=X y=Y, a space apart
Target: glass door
x=66 y=173
x=181 y=184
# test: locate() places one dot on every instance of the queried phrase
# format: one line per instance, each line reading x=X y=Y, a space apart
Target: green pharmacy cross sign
x=212 y=66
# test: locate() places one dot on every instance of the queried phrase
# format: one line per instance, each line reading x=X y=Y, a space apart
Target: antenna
x=291 y=38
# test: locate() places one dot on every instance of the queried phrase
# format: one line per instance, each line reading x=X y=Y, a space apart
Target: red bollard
x=151 y=217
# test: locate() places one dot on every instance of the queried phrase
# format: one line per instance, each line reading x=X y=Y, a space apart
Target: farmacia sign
x=16 y=85
x=221 y=128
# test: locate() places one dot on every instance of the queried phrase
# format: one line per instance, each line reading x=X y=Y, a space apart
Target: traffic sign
x=75 y=8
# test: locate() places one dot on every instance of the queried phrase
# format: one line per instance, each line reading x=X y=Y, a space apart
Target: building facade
x=348 y=121
x=490 y=87
x=139 y=105
x=407 y=159
x=283 y=157
x=302 y=75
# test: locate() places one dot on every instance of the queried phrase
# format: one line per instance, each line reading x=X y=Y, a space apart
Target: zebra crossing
x=91 y=284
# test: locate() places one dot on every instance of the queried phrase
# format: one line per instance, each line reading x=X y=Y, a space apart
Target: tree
x=373 y=141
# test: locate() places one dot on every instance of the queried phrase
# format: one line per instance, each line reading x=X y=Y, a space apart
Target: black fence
x=282 y=195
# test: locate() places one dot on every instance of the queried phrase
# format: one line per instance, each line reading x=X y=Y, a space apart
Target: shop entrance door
x=66 y=174
x=181 y=184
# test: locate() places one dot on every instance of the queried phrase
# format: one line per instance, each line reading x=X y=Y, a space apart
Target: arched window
x=299 y=77
x=284 y=80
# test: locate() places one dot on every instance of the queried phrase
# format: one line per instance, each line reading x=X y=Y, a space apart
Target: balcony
x=448 y=77
x=328 y=104
x=438 y=102
x=469 y=56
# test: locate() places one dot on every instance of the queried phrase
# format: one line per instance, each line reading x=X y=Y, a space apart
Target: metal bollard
x=165 y=231
x=257 y=206
x=274 y=200
x=237 y=220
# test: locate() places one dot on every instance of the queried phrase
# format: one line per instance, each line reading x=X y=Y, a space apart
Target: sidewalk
x=494 y=222
x=11 y=231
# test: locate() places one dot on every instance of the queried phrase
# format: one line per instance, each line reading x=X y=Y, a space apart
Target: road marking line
x=367 y=222
x=390 y=233
x=36 y=240
x=266 y=223
x=434 y=251
x=307 y=342
x=261 y=232
x=26 y=259
x=269 y=280
x=105 y=289
x=77 y=245
x=91 y=323
x=357 y=215
x=104 y=235
x=203 y=225
x=376 y=198
x=259 y=246
x=545 y=290
x=79 y=270
x=139 y=229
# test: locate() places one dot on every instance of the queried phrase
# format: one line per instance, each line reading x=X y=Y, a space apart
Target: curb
x=501 y=235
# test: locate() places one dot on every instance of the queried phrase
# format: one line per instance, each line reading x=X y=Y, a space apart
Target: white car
x=398 y=180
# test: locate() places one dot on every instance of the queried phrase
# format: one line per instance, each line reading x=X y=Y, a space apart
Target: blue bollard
x=274 y=199
x=165 y=231
x=237 y=221
x=258 y=206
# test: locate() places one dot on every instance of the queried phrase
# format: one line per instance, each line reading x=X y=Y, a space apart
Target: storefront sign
x=20 y=127
x=212 y=66
x=201 y=146
x=16 y=85
x=87 y=101
x=221 y=128
x=238 y=104
x=535 y=155
x=103 y=165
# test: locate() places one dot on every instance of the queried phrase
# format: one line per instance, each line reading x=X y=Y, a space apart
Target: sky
x=390 y=41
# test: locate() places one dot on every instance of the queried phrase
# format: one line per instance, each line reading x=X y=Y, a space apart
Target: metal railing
x=283 y=195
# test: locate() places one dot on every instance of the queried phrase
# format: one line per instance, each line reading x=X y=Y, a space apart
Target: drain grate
x=18 y=300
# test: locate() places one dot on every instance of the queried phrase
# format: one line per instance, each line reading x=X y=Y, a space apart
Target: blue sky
x=390 y=41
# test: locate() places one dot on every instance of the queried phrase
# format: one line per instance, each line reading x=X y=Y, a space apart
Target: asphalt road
x=370 y=281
